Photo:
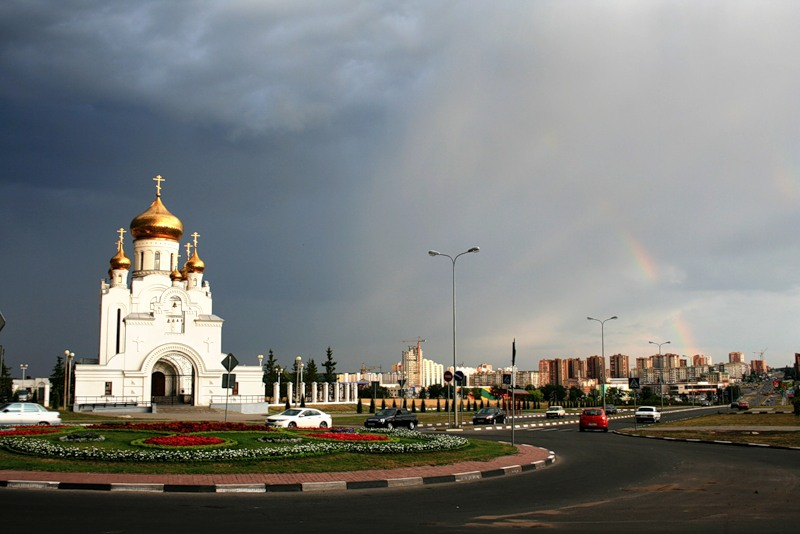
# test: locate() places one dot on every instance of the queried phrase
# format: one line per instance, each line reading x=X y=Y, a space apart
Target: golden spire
x=195 y=264
x=158 y=179
x=176 y=274
x=120 y=260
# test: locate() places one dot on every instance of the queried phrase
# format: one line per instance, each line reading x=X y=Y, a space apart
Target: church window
x=157 y=261
x=108 y=388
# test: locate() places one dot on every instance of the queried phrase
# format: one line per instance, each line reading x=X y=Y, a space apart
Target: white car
x=555 y=411
x=27 y=413
x=300 y=418
x=647 y=414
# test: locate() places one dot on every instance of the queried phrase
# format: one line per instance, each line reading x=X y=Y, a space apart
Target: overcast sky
x=629 y=158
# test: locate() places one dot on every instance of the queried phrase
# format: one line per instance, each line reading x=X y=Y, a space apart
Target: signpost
x=228 y=379
x=448 y=377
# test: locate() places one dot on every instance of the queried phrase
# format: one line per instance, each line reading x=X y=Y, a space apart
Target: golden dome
x=157 y=223
x=195 y=264
x=176 y=276
x=120 y=260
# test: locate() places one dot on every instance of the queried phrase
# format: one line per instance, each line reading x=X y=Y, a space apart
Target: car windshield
x=556 y=408
x=592 y=412
x=485 y=411
x=386 y=411
x=647 y=409
x=292 y=412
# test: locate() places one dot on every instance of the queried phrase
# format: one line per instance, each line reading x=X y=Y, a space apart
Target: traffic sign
x=507 y=379
x=459 y=376
x=633 y=383
x=448 y=375
x=230 y=362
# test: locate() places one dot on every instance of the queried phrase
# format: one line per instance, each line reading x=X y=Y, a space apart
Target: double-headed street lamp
x=453 y=260
x=661 y=376
x=603 y=351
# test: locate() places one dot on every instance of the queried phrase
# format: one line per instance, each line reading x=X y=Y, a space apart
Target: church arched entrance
x=172 y=380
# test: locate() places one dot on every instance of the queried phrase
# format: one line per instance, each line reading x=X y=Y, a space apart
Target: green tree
x=311 y=373
x=372 y=405
x=57 y=382
x=330 y=367
x=359 y=406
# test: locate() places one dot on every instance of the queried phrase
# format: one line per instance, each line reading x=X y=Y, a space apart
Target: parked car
x=647 y=414
x=611 y=409
x=392 y=418
x=555 y=411
x=744 y=405
x=488 y=416
x=27 y=413
x=300 y=418
x=593 y=419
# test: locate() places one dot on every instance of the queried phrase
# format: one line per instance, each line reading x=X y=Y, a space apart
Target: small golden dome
x=120 y=260
x=157 y=223
x=195 y=264
x=176 y=276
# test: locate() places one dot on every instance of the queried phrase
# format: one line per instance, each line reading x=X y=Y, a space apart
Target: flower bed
x=341 y=436
x=183 y=427
x=183 y=441
x=31 y=431
x=407 y=442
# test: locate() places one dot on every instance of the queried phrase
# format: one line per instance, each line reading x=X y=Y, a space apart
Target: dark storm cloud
x=618 y=158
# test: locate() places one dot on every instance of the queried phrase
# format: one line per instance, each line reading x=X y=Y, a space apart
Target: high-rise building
x=620 y=366
x=736 y=357
x=596 y=368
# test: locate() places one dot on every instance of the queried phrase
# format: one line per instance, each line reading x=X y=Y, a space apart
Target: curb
x=305 y=487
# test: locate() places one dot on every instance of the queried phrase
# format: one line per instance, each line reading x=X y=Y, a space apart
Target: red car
x=593 y=419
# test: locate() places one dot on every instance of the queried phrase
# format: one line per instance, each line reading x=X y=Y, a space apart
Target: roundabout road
x=599 y=483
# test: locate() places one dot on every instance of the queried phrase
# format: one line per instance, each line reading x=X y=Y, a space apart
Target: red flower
x=30 y=431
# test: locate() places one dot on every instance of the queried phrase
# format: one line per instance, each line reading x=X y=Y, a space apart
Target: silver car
x=27 y=413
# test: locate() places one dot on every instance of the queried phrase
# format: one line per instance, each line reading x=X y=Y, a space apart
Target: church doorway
x=172 y=381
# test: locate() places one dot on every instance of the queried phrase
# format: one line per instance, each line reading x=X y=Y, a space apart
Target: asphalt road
x=599 y=483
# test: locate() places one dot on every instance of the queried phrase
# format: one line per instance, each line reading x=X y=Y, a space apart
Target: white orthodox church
x=160 y=341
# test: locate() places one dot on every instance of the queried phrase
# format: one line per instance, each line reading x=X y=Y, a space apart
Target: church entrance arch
x=172 y=380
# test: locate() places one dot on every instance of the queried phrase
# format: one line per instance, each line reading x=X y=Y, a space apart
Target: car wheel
x=292 y=424
x=323 y=424
x=389 y=426
x=412 y=425
x=582 y=429
x=605 y=430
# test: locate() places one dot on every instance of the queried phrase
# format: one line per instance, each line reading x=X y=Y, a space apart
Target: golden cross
x=188 y=249
x=120 y=232
x=195 y=236
x=158 y=179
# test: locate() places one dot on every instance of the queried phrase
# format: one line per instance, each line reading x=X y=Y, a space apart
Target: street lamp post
x=24 y=367
x=68 y=356
x=603 y=351
x=299 y=377
x=453 y=260
x=661 y=374
x=261 y=366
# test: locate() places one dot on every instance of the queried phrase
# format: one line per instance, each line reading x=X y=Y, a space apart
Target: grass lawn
x=712 y=427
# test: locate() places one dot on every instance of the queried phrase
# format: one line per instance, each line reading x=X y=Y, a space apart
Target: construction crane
x=418 y=341
x=760 y=354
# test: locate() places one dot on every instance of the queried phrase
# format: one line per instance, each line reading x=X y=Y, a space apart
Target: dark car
x=392 y=418
x=611 y=409
x=489 y=416
x=593 y=419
